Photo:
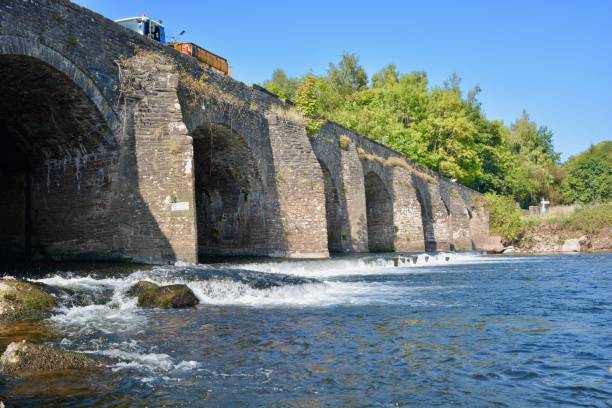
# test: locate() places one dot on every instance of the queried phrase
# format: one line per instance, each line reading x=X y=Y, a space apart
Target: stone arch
x=230 y=194
x=57 y=152
x=333 y=212
x=19 y=46
x=379 y=205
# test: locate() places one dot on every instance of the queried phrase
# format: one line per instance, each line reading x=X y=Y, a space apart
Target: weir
x=114 y=147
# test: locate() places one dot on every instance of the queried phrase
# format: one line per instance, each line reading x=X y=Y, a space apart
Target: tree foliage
x=442 y=129
x=589 y=176
x=282 y=85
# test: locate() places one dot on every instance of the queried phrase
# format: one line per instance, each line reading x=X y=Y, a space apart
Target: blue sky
x=551 y=58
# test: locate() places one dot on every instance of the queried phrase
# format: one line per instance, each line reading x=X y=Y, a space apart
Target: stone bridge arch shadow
x=338 y=228
x=427 y=212
x=236 y=200
x=68 y=170
x=379 y=209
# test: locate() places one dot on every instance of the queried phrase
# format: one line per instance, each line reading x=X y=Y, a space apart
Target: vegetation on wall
x=443 y=129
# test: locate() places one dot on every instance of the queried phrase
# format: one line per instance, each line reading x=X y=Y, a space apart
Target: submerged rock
x=150 y=294
x=21 y=358
x=25 y=300
x=254 y=279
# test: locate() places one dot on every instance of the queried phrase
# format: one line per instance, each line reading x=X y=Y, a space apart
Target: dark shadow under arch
x=379 y=207
x=49 y=131
x=333 y=212
x=69 y=183
x=230 y=198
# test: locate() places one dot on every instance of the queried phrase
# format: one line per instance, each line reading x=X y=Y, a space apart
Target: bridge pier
x=409 y=236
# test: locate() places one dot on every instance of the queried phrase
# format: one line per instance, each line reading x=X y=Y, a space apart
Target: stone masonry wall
x=163 y=154
x=347 y=178
x=126 y=171
x=300 y=188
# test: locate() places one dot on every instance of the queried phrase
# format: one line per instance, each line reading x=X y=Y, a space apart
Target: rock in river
x=25 y=300
x=22 y=358
x=150 y=294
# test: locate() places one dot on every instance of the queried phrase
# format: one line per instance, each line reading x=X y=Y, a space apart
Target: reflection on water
x=468 y=330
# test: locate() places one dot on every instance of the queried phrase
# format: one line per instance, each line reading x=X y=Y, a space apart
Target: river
x=439 y=330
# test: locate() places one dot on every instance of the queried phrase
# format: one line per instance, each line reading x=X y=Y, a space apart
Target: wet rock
x=571 y=245
x=25 y=300
x=21 y=358
x=509 y=250
x=172 y=296
x=143 y=288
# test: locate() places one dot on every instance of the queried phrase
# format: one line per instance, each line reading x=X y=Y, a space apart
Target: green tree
x=386 y=76
x=537 y=161
x=349 y=76
x=435 y=126
x=281 y=84
x=307 y=103
x=589 y=175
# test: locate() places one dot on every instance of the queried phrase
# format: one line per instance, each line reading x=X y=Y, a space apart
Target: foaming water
x=370 y=265
x=373 y=330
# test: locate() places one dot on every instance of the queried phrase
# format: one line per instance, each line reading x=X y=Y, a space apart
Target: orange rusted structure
x=202 y=55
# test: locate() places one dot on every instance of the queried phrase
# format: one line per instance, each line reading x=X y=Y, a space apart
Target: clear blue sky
x=551 y=58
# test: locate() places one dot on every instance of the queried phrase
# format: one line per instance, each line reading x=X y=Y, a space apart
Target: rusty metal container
x=204 y=56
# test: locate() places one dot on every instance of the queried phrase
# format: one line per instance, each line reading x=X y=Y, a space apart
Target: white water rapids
x=342 y=281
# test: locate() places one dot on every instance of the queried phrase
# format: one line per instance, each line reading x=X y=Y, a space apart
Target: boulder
x=172 y=296
x=509 y=250
x=491 y=244
x=585 y=243
x=22 y=358
x=571 y=245
x=25 y=300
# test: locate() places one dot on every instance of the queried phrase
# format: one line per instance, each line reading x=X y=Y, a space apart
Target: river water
x=439 y=330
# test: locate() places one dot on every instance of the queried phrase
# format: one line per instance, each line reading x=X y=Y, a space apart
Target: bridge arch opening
x=50 y=198
x=379 y=206
x=333 y=212
x=230 y=195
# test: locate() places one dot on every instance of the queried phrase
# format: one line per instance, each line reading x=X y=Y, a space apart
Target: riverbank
x=555 y=238
x=585 y=229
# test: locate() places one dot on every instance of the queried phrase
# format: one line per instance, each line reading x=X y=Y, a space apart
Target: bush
x=590 y=219
x=504 y=217
x=589 y=176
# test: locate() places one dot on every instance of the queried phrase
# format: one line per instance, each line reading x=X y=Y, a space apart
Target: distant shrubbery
x=504 y=217
x=590 y=219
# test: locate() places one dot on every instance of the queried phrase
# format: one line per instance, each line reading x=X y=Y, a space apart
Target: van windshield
x=134 y=25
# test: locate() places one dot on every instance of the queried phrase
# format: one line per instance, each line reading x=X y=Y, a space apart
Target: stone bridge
x=114 y=147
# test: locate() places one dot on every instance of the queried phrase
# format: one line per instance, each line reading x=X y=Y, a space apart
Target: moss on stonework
x=200 y=89
x=24 y=300
x=23 y=358
x=344 y=142
x=152 y=295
